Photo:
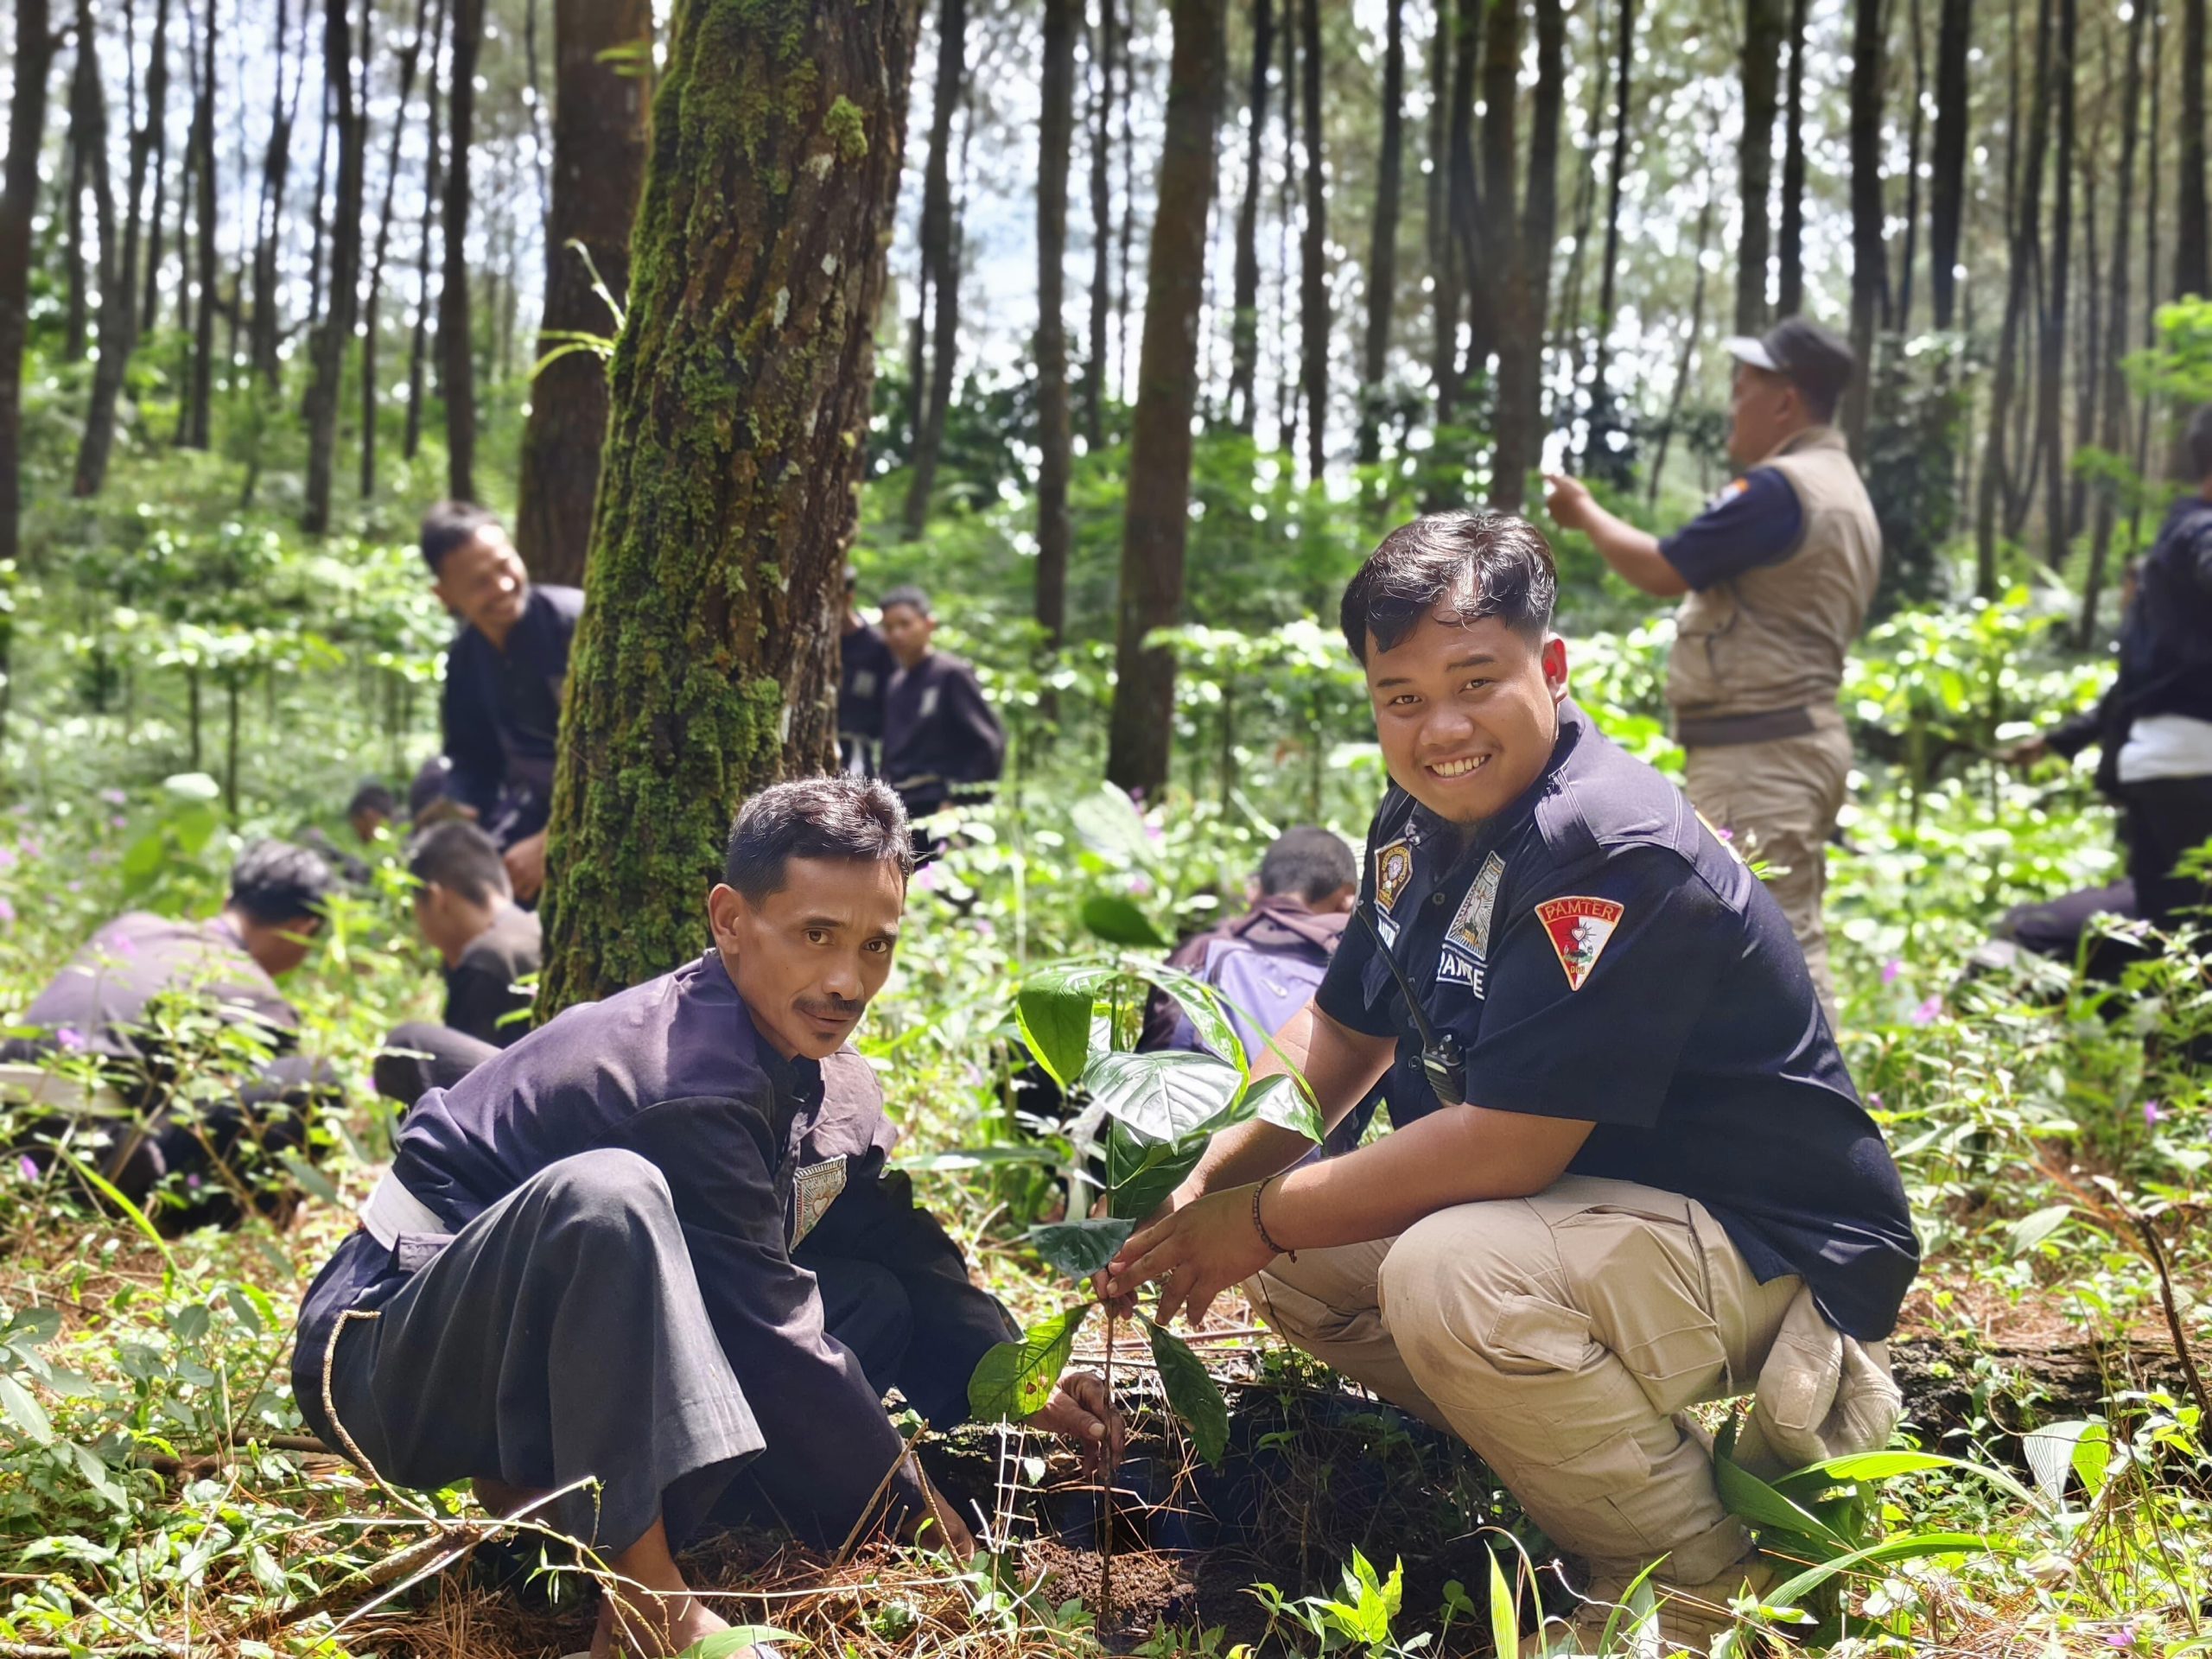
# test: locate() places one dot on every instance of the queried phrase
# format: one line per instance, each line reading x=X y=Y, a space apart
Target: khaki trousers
x=1778 y=801
x=1560 y=1336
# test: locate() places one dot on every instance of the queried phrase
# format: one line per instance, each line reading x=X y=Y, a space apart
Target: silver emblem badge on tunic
x=817 y=1187
x=1394 y=867
x=1471 y=927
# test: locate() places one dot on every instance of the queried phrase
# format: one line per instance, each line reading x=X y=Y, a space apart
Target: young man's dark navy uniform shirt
x=865 y=668
x=825 y=1285
x=501 y=714
x=941 y=740
x=1601 y=956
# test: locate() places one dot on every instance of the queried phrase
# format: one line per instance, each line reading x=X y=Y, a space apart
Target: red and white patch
x=1579 y=929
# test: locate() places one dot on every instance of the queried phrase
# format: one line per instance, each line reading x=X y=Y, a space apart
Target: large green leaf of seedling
x=1201 y=1003
x=1284 y=1102
x=1192 y=1392
x=1167 y=1096
x=1080 y=1248
x=1118 y=921
x=1141 y=1171
x=1015 y=1379
x=1053 y=1008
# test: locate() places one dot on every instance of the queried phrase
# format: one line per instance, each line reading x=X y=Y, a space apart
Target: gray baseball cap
x=1816 y=360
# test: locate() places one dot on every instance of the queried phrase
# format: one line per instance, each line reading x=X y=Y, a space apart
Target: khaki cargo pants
x=1779 y=800
x=1559 y=1336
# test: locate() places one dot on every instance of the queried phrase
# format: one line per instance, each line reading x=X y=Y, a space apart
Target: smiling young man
x=654 y=1243
x=500 y=712
x=1642 y=1179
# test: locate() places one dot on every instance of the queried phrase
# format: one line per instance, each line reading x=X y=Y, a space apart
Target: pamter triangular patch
x=1579 y=929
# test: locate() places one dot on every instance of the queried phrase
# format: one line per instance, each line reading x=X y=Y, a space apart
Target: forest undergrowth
x=2049 y=1493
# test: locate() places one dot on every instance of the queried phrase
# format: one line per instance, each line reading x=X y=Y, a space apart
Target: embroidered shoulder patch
x=1471 y=927
x=1393 y=869
x=1579 y=929
x=817 y=1186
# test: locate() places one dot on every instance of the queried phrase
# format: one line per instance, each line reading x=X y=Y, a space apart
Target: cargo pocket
x=1530 y=1335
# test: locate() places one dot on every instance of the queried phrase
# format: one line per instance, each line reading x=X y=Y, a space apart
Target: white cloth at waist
x=2165 y=745
x=392 y=1210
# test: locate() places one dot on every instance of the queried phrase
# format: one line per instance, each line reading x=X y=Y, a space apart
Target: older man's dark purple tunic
x=663 y=1254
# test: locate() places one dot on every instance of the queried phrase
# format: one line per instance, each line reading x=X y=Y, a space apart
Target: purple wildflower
x=2123 y=1638
x=926 y=877
x=7 y=856
x=118 y=821
x=7 y=911
x=1873 y=1102
x=2153 y=1113
x=29 y=1166
x=114 y=796
x=1891 y=969
x=1140 y=885
x=1929 y=1011
x=70 y=1038
x=76 y=887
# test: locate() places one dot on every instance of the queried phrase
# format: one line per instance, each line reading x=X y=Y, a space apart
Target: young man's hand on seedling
x=1081 y=1411
x=1193 y=1254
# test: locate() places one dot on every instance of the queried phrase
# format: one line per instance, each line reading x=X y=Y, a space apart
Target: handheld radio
x=1441 y=1061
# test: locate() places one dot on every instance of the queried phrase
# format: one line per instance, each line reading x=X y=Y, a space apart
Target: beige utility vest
x=1773 y=637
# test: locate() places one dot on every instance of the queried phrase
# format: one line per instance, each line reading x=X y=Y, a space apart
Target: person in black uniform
x=465 y=911
x=122 y=997
x=500 y=713
x=1642 y=1177
x=654 y=1242
x=943 y=743
x=865 y=666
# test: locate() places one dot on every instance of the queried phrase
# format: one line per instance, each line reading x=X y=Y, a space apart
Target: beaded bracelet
x=1261 y=1227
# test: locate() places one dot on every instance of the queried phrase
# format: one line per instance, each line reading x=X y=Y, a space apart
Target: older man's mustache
x=831 y=1007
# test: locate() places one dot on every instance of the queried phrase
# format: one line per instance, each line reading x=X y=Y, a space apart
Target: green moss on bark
x=704 y=667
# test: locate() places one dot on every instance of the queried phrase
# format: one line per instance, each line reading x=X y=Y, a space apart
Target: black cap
x=1816 y=360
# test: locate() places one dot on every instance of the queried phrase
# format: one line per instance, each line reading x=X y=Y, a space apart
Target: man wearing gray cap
x=1778 y=571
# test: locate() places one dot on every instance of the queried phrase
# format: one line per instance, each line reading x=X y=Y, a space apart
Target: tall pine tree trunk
x=418 y=349
x=34 y=46
x=2051 y=378
x=157 y=108
x=1055 y=424
x=1868 y=260
x=1521 y=346
x=1688 y=361
x=87 y=162
x=456 y=337
x=1383 y=246
x=1763 y=27
x=1102 y=226
x=936 y=315
x=2192 y=259
x=1443 y=248
x=2113 y=436
x=1245 y=326
x=119 y=302
x=1601 y=398
x=1157 y=522
x=89 y=120
x=275 y=167
x=200 y=394
x=1946 y=188
x=1314 y=249
x=1901 y=317
x=410 y=62
x=1790 y=299
x=336 y=332
x=705 y=666
x=599 y=167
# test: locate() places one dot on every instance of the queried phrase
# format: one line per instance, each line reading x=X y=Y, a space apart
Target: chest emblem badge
x=1471 y=927
x=817 y=1186
x=1578 y=930
x=929 y=703
x=1393 y=869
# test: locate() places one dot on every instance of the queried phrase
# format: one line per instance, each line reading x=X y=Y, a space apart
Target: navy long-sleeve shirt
x=501 y=714
x=771 y=1163
x=942 y=740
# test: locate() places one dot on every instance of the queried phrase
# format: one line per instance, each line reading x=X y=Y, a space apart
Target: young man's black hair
x=274 y=882
x=2200 y=442
x=1309 y=862
x=1471 y=565
x=373 y=796
x=458 y=855
x=857 y=818
x=451 y=524
x=908 y=595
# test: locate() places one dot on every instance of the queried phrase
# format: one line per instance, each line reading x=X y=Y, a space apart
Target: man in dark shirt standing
x=654 y=1243
x=120 y=999
x=865 y=666
x=1645 y=1178
x=943 y=743
x=465 y=909
x=501 y=708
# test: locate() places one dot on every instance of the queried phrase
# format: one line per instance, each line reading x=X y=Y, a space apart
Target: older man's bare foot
x=639 y=1625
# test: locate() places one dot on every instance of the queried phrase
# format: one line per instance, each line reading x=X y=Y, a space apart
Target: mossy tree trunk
x=705 y=666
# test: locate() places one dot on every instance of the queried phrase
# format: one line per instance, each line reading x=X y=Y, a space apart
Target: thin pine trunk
x=119 y=298
x=938 y=313
x=1901 y=320
x=1790 y=300
x=1157 y=522
x=1688 y=361
x=1601 y=398
x=411 y=61
x=418 y=352
x=1520 y=347
x=157 y=105
x=1443 y=251
x=1947 y=190
x=2050 y=380
x=1383 y=246
x=1313 y=302
x=327 y=346
x=1102 y=226
x=201 y=393
x=2113 y=437
x=1244 y=329
x=1762 y=30
x=1869 y=259
x=276 y=166
x=456 y=339
x=2192 y=259
x=35 y=50
x=1055 y=425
